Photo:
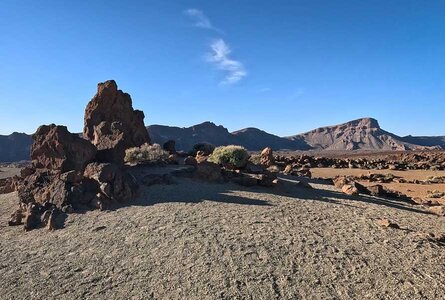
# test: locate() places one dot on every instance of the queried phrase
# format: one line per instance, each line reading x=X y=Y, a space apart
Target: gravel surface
x=194 y=240
x=6 y=172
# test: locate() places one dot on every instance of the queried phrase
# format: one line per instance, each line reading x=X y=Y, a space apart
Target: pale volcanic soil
x=195 y=240
x=6 y=172
x=410 y=189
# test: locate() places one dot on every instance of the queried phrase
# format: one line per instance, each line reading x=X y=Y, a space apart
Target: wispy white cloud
x=219 y=56
x=200 y=19
x=264 y=90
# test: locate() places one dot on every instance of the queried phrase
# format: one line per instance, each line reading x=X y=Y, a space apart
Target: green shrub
x=207 y=148
x=146 y=154
x=234 y=157
x=255 y=159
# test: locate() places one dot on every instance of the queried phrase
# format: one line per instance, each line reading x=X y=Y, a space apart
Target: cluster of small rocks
x=350 y=186
x=249 y=175
x=402 y=161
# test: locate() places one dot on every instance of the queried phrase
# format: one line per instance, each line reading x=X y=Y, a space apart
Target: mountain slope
x=251 y=138
x=256 y=139
x=360 y=134
x=15 y=147
x=187 y=137
x=427 y=141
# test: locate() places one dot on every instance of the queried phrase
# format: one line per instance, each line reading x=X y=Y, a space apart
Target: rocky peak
x=209 y=127
x=112 y=124
x=364 y=123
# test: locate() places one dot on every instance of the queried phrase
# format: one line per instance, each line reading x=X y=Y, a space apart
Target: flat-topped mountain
x=360 y=134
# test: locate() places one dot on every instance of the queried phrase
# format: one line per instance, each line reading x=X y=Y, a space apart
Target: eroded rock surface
x=57 y=150
x=69 y=172
x=112 y=124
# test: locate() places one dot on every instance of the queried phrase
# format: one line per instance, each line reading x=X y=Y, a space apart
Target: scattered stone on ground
x=267 y=158
x=387 y=223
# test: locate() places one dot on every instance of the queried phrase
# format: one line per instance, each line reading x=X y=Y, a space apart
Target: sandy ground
x=412 y=190
x=8 y=172
x=193 y=240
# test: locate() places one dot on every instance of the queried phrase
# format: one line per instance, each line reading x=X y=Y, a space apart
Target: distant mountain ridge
x=360 y=134
x=251 y=138
x=15 y=147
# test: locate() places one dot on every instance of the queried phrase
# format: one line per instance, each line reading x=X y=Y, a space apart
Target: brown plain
x=410 y=189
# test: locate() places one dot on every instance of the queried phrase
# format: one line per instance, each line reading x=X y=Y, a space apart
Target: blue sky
x=283 y=66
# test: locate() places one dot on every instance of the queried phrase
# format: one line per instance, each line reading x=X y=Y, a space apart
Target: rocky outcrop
x=112 y=124
x=267 y=159
x=68 y=172
x=56 y=149
x=115 y=183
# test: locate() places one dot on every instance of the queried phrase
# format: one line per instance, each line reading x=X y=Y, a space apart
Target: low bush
x=255 y=159
x=234 y=157
x=146 y=154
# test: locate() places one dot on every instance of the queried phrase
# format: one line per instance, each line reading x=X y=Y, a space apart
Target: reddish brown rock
x=201 y=157
x=112 y=124
x=387 y=223
x=16 y=218
x=267 y=159
x=438 y=210
x=377 y=190
x=349 y=189
x=113 y=180
x=27 y=171
x=57 y=150
x=288 y=169
x=58 y=190
x=340 y=181
x=9 y=185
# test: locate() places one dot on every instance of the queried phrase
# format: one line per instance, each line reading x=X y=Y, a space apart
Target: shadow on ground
x=194 y=191
x=334 y=196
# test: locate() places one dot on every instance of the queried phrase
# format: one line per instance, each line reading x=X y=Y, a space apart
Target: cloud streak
x=200 y=19
x=219 y=56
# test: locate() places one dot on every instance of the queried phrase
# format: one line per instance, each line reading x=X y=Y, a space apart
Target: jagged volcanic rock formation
x=68 y=171
x=112 y=124
x=56 y=149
